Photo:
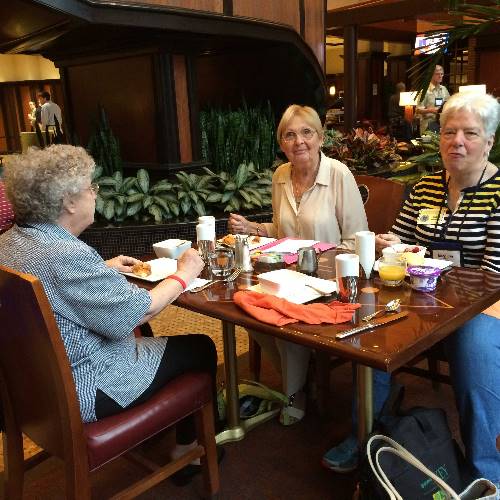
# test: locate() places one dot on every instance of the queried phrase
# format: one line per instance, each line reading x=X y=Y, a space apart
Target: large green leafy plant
x=232 y=137
x=246 y=189
x=363 y=151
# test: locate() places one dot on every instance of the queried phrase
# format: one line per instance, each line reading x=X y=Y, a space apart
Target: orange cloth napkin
x=279 y=312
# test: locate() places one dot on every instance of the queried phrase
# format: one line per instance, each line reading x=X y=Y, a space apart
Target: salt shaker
x=242 y=253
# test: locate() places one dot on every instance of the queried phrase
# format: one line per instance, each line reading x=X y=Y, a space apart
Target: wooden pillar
x=350 y=76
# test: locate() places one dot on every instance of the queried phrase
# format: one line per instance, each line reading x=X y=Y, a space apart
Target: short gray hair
x=37 y=181
x=484 y=106
x=308 y=114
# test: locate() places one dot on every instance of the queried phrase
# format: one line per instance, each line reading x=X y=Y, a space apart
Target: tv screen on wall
x=428 y=44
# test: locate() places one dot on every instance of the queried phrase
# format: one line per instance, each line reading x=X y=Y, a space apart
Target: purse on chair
x=480 y=489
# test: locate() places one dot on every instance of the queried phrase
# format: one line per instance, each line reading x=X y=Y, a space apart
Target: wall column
x=350 y=76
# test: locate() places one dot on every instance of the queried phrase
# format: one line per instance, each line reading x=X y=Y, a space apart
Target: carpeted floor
x=273 y=462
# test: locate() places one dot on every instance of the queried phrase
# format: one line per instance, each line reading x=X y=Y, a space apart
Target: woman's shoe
x=185 y=475
x=295 y=410
x=344 y=457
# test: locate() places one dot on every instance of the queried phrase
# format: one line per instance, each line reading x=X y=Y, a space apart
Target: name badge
x=448 y=250
x=430 y=216
x=438 y=101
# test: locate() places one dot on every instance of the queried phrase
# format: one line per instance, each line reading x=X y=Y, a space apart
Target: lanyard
x=444 y=229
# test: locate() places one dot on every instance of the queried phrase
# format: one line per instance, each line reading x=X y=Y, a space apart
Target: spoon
x=391 y=306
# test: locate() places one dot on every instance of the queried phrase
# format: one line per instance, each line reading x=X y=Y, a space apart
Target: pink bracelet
x=179 y=280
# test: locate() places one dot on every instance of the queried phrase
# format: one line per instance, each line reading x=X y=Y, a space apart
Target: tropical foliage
x=190 y=195
x=104 y=146
x=363 y=151
x=246 y=135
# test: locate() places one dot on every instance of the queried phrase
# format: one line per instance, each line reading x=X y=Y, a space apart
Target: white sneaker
x=295 y=410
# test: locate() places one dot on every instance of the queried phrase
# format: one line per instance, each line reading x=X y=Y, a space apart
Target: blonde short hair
x=37 y=181
x=308 y=114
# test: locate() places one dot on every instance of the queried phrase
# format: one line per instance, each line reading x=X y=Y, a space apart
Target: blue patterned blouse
x=96 y=309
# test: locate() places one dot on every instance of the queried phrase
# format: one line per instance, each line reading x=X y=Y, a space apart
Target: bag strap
x=274 y=394
x=405 y=455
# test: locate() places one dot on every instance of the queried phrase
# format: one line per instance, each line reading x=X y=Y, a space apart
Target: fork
x=229 y=279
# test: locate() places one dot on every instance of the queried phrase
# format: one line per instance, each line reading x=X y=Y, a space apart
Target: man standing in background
x=50 y=118
x=435 y=97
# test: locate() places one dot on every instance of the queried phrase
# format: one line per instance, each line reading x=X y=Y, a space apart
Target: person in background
x=315 y=198
x=6 y=213
x=399 y=127
x=456 y=214
x=50 y=118
x=95 y=307
x=436 y=95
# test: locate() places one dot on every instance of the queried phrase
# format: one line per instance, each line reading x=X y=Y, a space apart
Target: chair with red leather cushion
x=39 y=399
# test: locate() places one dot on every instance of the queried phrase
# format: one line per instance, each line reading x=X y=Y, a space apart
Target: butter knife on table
x=372 y=324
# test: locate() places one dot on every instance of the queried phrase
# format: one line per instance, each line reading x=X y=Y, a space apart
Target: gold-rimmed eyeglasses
x=305 y=133
x=94 y=187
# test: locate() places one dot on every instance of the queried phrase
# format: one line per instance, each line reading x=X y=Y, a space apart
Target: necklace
x=299 y=189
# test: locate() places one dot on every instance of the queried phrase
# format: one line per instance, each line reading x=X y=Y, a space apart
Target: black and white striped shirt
x=475 y=223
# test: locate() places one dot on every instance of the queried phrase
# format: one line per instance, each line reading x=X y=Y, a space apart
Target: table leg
x=365 y=401
x=236 y=429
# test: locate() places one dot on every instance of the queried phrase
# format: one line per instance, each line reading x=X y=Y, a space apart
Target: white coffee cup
x=205 y=232
x=365 y=250
x=346 y=264
x=207 y=219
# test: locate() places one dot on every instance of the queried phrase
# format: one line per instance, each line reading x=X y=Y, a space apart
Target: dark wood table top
x=460 y=295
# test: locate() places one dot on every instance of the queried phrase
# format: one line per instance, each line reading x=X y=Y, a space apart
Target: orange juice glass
x=392 y=269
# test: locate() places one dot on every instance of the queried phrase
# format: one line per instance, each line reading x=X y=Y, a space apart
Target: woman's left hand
x=122 y=263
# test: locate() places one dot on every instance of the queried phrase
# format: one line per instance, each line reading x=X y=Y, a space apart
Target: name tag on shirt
x=430 y=216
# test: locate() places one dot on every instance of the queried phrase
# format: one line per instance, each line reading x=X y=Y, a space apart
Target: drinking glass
x=392 y=269
x=221 y=262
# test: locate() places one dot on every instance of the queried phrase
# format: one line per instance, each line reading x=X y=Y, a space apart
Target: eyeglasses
x=305 y=133
x=94 y=187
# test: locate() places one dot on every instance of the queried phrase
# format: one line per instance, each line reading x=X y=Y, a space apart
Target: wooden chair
x=382 y=199
x=39 y=399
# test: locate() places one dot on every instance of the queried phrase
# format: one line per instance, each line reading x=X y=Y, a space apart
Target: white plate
x=291 y=285
x=160 y=269
x=439 y=263
x=253 y=245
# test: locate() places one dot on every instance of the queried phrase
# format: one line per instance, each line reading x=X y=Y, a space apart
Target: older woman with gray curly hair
x=95 y=307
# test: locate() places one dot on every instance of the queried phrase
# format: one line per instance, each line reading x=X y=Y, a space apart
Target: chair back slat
x=382 y=199
x=35 y=367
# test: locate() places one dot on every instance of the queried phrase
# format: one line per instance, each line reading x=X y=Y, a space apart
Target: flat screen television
x=427 y=44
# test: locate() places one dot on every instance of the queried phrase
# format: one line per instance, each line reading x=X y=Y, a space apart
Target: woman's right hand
x=189 y=265
x=385 y=240
x=237 y=224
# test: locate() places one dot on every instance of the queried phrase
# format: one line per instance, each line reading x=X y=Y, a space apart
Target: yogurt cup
x=423 y=278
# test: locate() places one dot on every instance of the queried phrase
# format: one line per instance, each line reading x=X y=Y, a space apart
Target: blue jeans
x=381 y=389
x=474 y=355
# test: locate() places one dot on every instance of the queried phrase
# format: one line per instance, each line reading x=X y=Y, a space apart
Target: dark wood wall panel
x=204 y=5
x=279 y=11
x=487 y=71
x=182 y=102
x=125 y=88
x=315 y=28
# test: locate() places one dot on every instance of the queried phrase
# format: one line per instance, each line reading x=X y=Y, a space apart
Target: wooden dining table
x=461 y=294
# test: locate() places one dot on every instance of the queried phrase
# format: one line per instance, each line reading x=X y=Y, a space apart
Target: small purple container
x=424 y=278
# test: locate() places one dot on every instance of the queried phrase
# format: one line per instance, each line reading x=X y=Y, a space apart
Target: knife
x=372 y=324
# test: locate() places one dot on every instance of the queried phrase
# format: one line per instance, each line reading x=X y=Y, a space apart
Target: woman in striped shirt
x=456 y=214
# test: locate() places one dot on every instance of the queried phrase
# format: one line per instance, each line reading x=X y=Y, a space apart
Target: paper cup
x=346 y=264
x=205 y=232
x=365 y=250
x=207 y=219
